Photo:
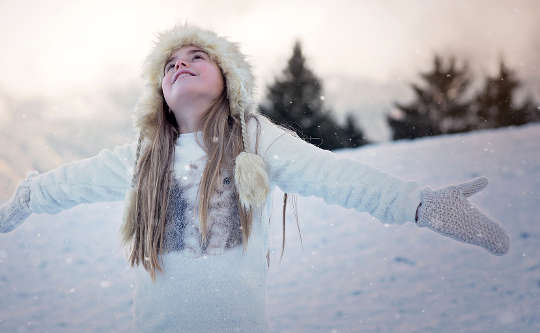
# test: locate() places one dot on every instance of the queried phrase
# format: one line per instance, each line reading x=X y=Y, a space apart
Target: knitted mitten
x=448 y=212
x=14 y=211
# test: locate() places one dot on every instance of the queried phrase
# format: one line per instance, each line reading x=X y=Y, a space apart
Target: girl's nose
x=181 y=62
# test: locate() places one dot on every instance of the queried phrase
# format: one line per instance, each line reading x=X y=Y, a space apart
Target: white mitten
x=448 y=212
x=17 y=209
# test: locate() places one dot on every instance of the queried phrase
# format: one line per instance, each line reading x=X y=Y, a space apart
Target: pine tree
x=533 y=109
x=296 y=102
x=494 y=105
x=438 y=108
x=352 y=136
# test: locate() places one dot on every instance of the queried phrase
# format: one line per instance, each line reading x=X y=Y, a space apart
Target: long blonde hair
x=147 y=217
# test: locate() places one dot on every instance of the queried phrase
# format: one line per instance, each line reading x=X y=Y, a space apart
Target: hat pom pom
x=251 y=180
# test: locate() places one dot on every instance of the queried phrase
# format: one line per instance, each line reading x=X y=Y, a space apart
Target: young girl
x=196 y=187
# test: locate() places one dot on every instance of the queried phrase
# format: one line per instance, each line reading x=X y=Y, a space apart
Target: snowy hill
x=66 y=272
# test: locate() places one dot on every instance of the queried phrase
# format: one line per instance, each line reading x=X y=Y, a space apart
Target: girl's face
x=191 y=78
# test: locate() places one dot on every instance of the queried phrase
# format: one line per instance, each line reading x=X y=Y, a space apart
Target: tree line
x=440 y=106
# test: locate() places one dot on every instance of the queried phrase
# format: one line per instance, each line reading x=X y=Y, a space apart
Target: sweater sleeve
x=103 y=177
x=296 y=166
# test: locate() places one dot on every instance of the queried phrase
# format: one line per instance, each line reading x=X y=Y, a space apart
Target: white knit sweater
x=215 y=287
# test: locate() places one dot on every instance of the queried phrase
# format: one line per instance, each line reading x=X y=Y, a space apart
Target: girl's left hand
x=16 y=210
x=448 y=212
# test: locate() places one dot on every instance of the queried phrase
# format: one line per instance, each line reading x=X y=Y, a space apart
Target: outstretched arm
x=297 y=166
x=103 y=177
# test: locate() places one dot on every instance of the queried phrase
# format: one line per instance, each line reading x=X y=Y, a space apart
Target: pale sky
x=365 y=52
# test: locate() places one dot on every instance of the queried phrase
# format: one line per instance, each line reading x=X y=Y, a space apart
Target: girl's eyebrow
x=189 y=52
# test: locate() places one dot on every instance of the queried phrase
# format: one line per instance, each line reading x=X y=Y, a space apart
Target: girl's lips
x=182 y=72
x=182 y=75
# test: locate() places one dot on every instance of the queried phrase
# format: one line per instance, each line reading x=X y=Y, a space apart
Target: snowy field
x=67 y=273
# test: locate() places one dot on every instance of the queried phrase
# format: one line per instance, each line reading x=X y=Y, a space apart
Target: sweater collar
x=188 y=139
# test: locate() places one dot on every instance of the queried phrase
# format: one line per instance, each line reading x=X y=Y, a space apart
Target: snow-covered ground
x=67 y=272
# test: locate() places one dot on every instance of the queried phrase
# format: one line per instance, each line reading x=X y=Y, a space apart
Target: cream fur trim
x=236 y=69
x=127 y=226
x=251 y=180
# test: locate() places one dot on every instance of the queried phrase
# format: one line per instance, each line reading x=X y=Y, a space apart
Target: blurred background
x=380 y=70
x=434 y=91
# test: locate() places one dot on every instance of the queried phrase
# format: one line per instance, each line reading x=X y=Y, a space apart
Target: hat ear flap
x=250 y=176
x=251 y=180
x=130 y=200
x=128 y=226
x=147 y=110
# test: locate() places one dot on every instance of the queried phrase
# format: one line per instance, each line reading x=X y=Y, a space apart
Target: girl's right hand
x=17 y=209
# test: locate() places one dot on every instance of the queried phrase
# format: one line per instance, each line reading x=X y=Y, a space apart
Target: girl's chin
x=182 y=79
x=181 y=87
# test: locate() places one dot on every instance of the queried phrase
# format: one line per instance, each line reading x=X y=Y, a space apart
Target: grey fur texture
x=182 y=231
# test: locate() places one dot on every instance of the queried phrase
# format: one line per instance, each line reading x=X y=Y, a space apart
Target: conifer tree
x=495 y=106
x=295 y=101
x=439 y=107
x=352 y=136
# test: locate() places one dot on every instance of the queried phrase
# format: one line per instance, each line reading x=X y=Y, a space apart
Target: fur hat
x=251 y=179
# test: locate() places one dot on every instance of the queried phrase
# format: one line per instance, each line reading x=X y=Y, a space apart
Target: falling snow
x=348 y=274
